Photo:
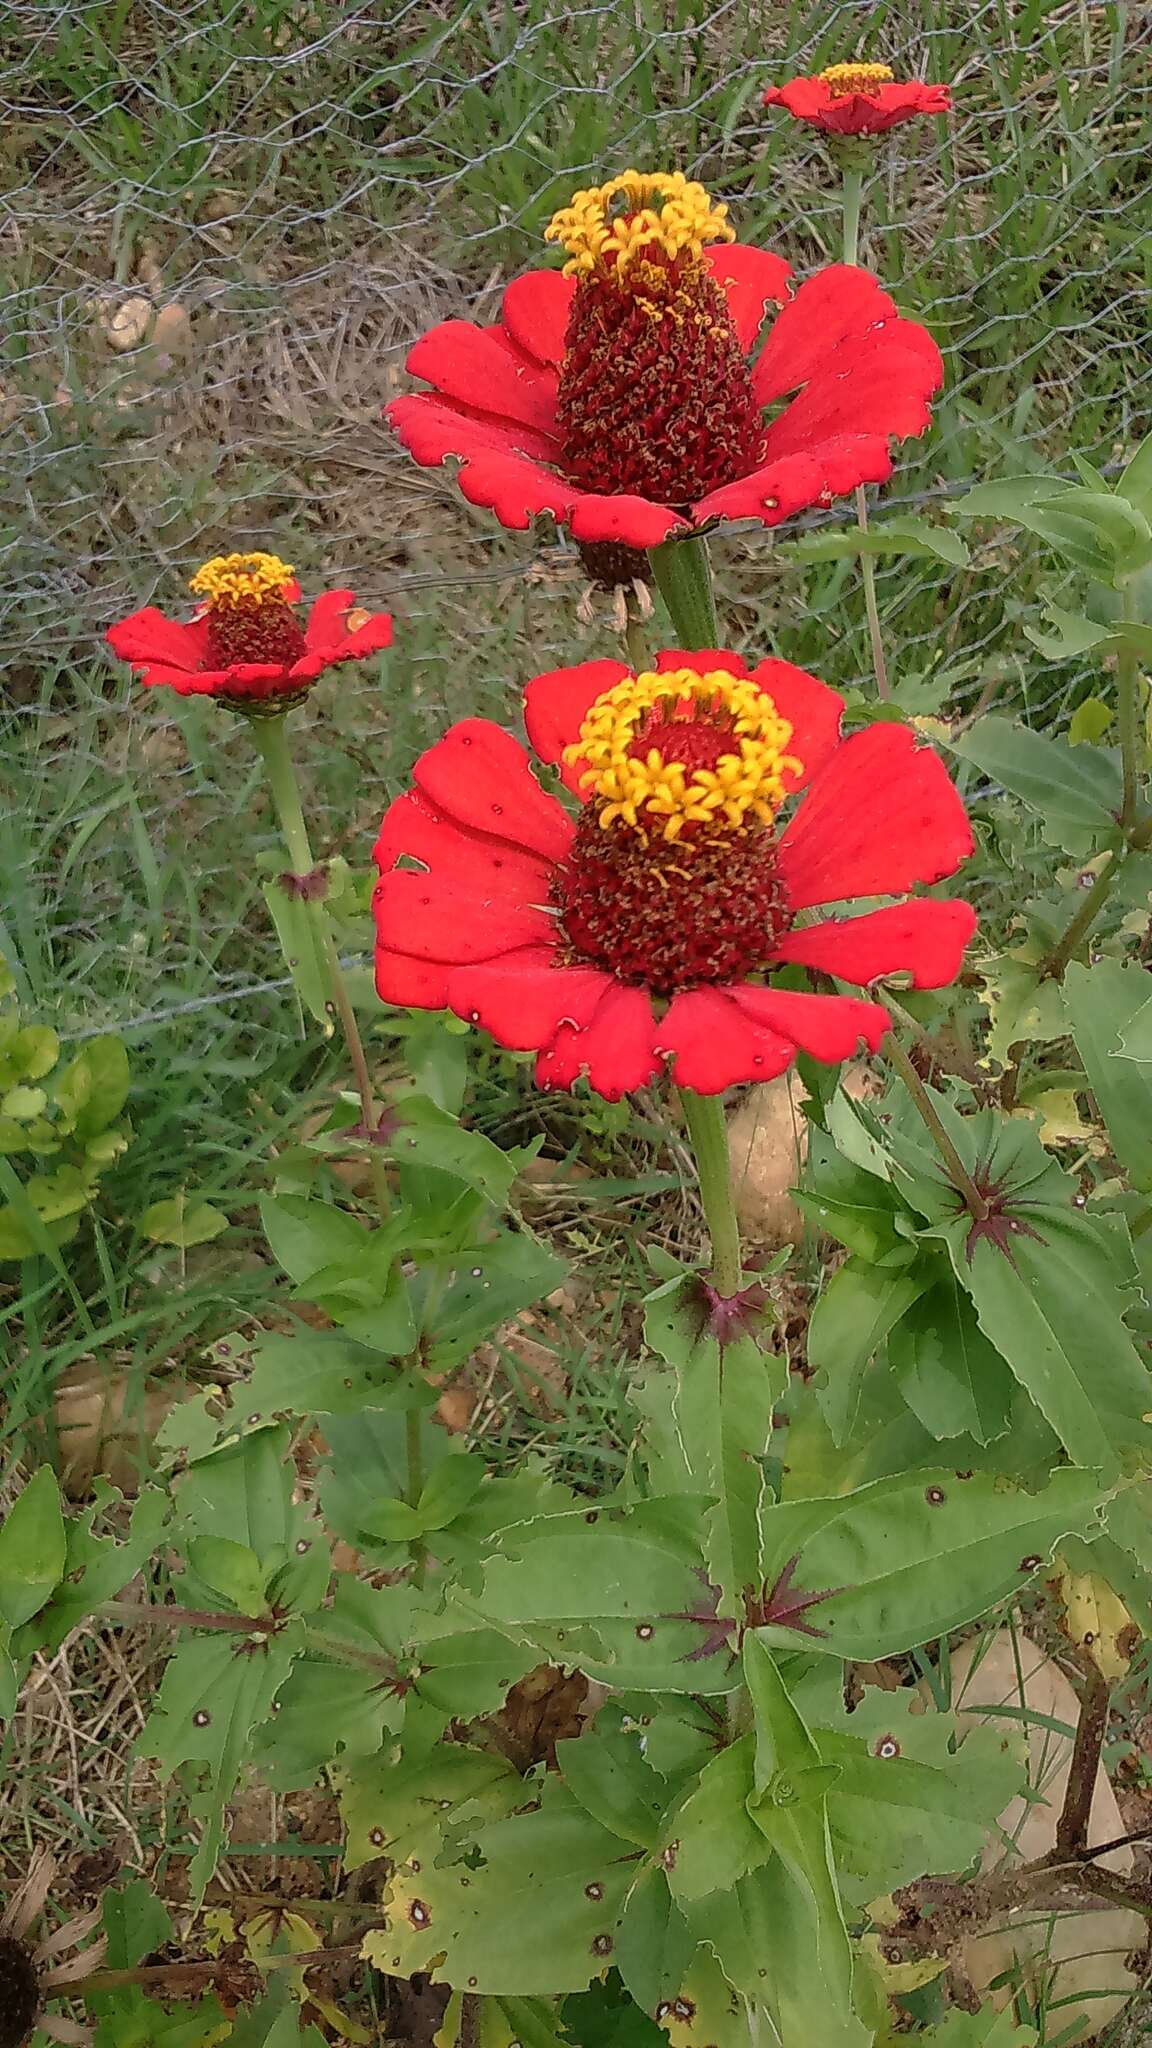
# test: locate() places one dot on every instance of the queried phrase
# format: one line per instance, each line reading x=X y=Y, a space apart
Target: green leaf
x=1135 y=1040
x=1083 y=1372
x=98 y=1567
x=654 y=1943
x=215 y=1691
x=1006 y=497
x=314 y=1373
x=28 y=1054
x=426 y=1135
x=1090 y=722
x=613 y=1602
x=415 y=1810
x=483 y=1288
x=1070 y=790
x=722 y=1415
x=182 y=1222
x=854 y=1314
x=555 y=1872
x=244 y=1492
x=300 y=932
x=853 y=1205
x=1103 y=1002
x=894 y=537
x=1136 y=482
x=908 y=1801
x=608 y=1776
x=953 y=1379
x=450 y=1489
x=396 y=1521
x=710 y=1841
x=135 y=1921
x=305 y=1235
x=902 y=1561
x=229 y=1569
x=33 y=1549
x=93 y=1088
x=23 y=1103
x=769 y=1935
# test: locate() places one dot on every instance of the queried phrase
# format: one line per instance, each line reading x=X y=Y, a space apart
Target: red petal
x=411 y=984
x=436 y=920
x=325 y=626
x=811 y=708
x=925 y=940
x=614 y=1051
x=838 y=301
x=474 y=365
x=875 y=383
x=480 y=776
x=881 y=816
x=828 y=1027
x=147 y=636
x=752 y=280
x=715 y=1045
x=524 y=998
x=432 y=428
x=535 y=310
x=637 y=522
x=452 y=855
x=557 y=703
x=370 y=638
x=782 y=488
x=701 y=661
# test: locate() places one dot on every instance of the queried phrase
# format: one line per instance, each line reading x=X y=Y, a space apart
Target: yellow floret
x=842 y=79
x=609 y=227
x=240 y=579
x=653 y=794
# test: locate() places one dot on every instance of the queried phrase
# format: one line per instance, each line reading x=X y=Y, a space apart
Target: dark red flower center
x=655 y=392
x=672 y=878
x=248 y=610
x=670 y=914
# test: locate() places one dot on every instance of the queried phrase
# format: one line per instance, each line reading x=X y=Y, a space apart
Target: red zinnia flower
x=246 y=642
x=622 y=397
x=644 y=929
x=858 y=99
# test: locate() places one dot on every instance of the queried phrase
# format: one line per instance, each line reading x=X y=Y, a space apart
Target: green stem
x=271 y=737
x=868 y=575
x=684 y=579
x=1128 y=718
x=852 y=189
x=1052 y=967
x=851 y=192
x=958 y=1173
x=636 y=645
x=708 y=1130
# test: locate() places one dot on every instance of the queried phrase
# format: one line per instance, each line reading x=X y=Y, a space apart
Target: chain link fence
x=223 y=223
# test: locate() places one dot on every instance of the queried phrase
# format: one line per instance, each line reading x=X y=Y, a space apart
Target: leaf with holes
x=905 y=1560
x=535 y=1916
x=416 y=1809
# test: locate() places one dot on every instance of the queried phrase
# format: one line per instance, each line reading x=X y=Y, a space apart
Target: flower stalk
x=708 y=1131
x=958 y=1173
x=271 y=738
x=684 y=579
x=1128 y=716
x=852 y=189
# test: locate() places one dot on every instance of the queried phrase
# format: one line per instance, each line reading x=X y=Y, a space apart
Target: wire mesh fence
x=223 y=223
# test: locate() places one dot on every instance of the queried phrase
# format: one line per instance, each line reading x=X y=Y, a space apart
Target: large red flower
x=645 y=928
x=625 y=398
x=858 y=99
x=246 y=642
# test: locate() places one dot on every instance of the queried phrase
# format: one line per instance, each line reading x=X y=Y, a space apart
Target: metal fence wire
x=222 y=223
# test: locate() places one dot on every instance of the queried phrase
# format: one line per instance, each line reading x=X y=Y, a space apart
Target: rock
x=127 y=325
x=1080 y=1954
x=106 y=1422
x=767 y=1147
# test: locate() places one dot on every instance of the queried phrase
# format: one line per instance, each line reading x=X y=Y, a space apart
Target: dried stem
x=1072 y=1827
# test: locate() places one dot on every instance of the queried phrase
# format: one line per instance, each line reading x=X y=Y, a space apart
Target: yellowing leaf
x=907 y=1976
x=1097 y=1621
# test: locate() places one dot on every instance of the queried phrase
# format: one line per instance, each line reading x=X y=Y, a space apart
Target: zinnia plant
x=648 y=926
x=247 y=642
x=669 y=377
x=858 y=99
x=665 y=1739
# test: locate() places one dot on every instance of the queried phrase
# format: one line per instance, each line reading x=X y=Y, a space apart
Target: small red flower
x=625 y=396
x=644 y=928
x=246 y=643
x=858 y=99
